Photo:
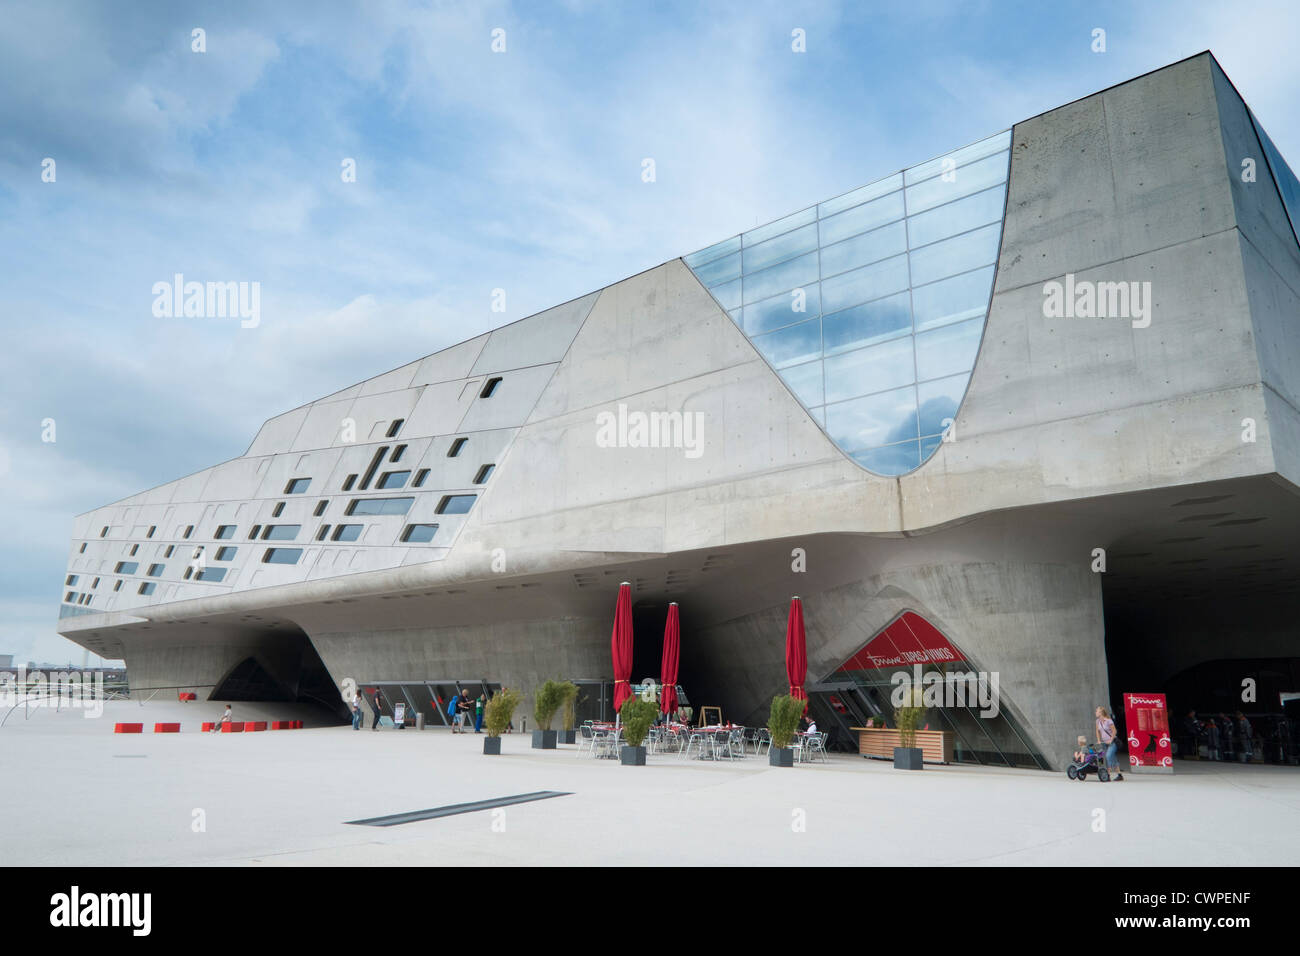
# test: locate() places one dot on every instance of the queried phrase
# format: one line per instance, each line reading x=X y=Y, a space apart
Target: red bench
x=187 y=695
x=232 y=727
x=128 y=728
x=166 y=728
x=252 y=725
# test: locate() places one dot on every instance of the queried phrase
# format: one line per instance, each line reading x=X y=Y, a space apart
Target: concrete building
x=1033 y=403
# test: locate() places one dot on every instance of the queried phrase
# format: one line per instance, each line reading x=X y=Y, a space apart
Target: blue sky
x=475 y=171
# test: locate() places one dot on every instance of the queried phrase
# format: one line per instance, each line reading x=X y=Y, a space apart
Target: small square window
x=490 y=387
x=456 y=447
x=398 y=452
x=321 y=506
x=351 y=480
x=71 y=579
x=483 y=474
x=155 y=570
x=69 y=597
x=394 y=428
x=279 y=509
x=420 y=475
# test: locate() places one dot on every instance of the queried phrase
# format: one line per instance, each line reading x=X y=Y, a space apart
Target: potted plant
x=782 y=722
x=567 y=734
x=907 y=715
x=496 y=718
x=637 y=715
x=546 y=701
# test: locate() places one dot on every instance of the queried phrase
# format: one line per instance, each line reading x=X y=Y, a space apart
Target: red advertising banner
x=1147 y=718
x=909 y=640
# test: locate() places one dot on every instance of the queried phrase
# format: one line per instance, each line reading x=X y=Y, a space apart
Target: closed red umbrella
x=668 y=667
x=620 y=645
x=796 y=651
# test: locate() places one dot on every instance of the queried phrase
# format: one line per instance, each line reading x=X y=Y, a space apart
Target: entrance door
x=837 y=707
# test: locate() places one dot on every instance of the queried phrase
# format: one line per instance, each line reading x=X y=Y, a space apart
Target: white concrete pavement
x=77 y=794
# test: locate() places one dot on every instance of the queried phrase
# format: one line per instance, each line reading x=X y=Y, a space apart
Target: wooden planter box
x=936 y=745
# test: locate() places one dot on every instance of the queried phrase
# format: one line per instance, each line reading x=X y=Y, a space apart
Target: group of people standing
x=1224 y=737
x=459 y=709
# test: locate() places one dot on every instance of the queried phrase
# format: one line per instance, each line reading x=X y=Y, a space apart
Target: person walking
x=1212 y=732
x=356 y=710
x=1106 y=738
x=479 y=704
x=1245 y=732
x=376 y=705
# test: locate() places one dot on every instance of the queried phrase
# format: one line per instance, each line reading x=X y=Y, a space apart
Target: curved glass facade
x=871 y=305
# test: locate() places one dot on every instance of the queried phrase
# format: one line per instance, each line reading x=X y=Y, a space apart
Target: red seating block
x=233 y=727
x=187 y=695
x=252 y=725
x=166 y=728
x=207 y=726
x=128 y=728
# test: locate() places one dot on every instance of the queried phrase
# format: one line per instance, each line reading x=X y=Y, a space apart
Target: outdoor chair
x=588 y=739
x=762 y=741
x=817 y=747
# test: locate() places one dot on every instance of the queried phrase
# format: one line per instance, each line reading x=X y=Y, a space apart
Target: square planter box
x=632 y=756
x=492 y=745
x=544 y=739
x=568 y=736
x=780 y=757
x=908 y=758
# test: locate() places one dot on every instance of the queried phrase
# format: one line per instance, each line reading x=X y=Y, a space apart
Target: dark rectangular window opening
x=419 y=533
x=374 y=465
x=103 y=531
x=154 y=570
x=83 y=548
x=189 y=572
x=420 y=475
x=321 y=506
x=152 y=529
x=279 y=509
x=395 y=427
x=281 y=532
x=398 y=452
x=348 y=532
x=71 y=579
x=297 y=486
x=392 y=479
x=134 y=549
x=379 y=506
x=256 y=530
x=225 y=553
x=211 y=574
x=322 y=531
x=282 y=555
x=189 y=530
x=168 y=552
x=483 y=474
x=117 y=585
x=148 y=588
x=490 y=387
x=94 y=583
x=225 y=531
x=455 y=504
x=349 y=482
x=456 y=447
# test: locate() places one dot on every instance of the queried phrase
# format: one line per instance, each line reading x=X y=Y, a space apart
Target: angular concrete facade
x=1074 y=434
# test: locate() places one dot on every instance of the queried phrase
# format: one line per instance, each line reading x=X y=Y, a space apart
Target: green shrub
x=783 y=721
x=570 y=690
x=908 y=715
x=637 y=716
x=499 y=711
x=546 y=701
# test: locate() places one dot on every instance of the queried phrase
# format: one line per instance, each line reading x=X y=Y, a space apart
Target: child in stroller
x=1088 y=759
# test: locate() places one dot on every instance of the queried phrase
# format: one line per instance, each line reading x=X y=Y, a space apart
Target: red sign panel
x=911 y=639
x=1147 y=719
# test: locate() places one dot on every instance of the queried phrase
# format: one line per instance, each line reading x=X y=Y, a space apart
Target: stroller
x=1094 y=762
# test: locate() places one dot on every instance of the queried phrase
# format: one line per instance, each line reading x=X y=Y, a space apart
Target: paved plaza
x=86 y=796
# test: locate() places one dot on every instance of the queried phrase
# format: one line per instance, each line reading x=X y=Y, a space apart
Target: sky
x=476 y=170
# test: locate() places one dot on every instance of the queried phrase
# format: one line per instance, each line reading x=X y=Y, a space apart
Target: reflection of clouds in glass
x=895 y=281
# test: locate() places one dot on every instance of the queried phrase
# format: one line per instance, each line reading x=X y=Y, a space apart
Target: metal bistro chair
x=588 y=742
x=816 y=744
x=762 y=741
